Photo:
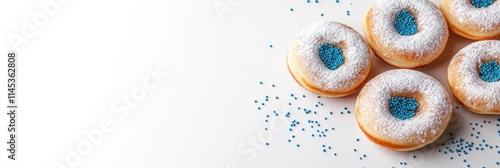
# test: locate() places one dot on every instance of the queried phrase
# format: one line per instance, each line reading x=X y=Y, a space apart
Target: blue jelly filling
x=331 y=56
x=482 y=3
x=402 y=107
x=405 y=23
x=490 y=72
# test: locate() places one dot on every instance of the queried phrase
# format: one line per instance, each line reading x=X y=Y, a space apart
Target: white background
x=91 y=53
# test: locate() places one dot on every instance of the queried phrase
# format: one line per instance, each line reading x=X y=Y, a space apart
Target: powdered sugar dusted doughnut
x=473 y=19
x=474 y=76
x=403 y=109
x=329 y=58
x=406 y=33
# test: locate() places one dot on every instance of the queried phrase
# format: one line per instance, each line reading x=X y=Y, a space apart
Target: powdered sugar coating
x=355 y=51
x=432 y=29
x=482 y=19
x=373 y=111
x=465 y=65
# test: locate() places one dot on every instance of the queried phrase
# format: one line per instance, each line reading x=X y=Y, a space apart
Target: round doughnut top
x=433 y=111
x=429 y=20
x=354 y=50
x=467 y=63
x=482 y=19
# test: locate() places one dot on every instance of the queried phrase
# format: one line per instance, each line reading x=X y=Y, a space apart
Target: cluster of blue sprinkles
x=405 y=23
x=490 y=71
x=331 y=56
x=482 y=3
x=402 y=107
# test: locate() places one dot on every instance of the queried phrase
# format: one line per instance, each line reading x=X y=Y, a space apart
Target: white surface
x=93 y=52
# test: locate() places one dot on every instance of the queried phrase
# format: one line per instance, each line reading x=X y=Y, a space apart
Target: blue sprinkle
x=348 y=13
x=403 y=108
x=405 y=23
x=298 y=145
x=267 y=143
x=260 y=82
x=324 y=150
x=273 y=85
x=291 y=9
x=482 y=3
x=490 y=72
x=331 y=56
x=270 y=46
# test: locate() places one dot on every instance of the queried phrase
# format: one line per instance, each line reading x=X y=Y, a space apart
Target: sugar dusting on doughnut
x=430 y=22
x=374 y=111
x=486 y=18
x=467 y=62
x=356 y=54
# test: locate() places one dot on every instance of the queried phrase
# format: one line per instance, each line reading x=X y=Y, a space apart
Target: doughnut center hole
x=331 y=56
x=481 y=3
x=403 y=107
x=490 y=71
x=405 y=23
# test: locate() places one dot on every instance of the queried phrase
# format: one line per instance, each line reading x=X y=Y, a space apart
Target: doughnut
x=473 y=19
x=403 y=109
x=474 y=76
x=406 y=33
x=329 y=58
